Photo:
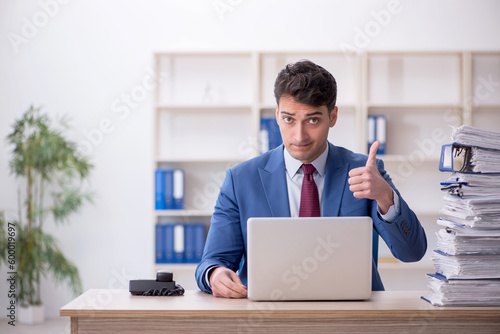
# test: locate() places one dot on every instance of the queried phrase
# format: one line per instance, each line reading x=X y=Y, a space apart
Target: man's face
x=304 y=129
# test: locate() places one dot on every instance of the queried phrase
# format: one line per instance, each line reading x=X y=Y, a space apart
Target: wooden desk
x=116 y=311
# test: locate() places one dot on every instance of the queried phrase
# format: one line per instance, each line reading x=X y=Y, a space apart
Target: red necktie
x=309 y=199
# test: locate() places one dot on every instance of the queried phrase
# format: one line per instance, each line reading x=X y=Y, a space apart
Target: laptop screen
x=320 y=258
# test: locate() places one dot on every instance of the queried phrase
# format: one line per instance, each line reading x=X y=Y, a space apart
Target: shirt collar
x=293 y=165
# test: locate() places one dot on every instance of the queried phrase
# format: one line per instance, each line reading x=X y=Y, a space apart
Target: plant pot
x=31 y=315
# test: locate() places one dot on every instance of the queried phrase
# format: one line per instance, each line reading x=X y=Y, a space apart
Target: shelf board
x=198 y=54
x=183 y=213
x=415 y=53
x=341 y=106
x=396 y=158
x=308 y=52
x=201 y=160
x=176 y=266
x=485 y=106
x=485 y=53
x=388 y=262
x=208 y=107
x=414 y=106
x=428 y=212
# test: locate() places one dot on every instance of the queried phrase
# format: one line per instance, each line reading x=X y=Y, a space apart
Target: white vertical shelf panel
x=466 y=96
x=363 y=90
x=253 y=143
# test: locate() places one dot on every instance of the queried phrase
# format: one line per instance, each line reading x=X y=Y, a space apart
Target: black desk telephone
x=164 y=285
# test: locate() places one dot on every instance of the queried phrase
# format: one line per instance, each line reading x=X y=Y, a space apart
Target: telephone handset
x=164 y=285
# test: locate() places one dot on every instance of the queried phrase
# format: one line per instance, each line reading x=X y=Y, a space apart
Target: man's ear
x=333 y=116
x=277 y=112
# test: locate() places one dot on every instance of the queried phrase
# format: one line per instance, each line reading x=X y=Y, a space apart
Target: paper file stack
x=467 y=258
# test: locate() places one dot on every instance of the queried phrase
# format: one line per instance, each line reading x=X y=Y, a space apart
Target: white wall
x=86 y=55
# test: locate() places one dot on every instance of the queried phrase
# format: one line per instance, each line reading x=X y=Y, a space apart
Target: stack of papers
x=472 y=211
x=455 y=240
x=486 y=181
x=471 y=136
x=473 y=150
x=469 y=266
x=464 y=292
x=467 y=258
x=485 y=160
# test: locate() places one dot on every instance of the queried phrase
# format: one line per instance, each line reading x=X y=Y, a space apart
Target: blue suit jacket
x=258 y=188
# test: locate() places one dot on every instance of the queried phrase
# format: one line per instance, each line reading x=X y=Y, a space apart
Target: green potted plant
x=51 y=175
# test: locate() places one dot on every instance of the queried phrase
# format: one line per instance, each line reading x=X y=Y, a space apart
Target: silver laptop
x=321 y=258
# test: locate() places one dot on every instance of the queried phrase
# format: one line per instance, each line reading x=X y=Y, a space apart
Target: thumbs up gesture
x=366 y=182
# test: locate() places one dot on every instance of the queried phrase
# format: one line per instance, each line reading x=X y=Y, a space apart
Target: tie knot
x=308 y=169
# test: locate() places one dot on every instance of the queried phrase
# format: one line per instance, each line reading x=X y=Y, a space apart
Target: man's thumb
x=372 y=156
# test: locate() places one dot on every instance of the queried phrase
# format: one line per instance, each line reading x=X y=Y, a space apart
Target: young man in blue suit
x=269 y=185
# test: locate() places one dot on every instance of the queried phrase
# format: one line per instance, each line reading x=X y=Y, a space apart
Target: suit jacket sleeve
x=405 y=236
x=224 y=245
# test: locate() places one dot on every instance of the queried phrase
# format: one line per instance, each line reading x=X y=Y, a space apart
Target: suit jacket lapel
x=273 y=180
x=336 y=176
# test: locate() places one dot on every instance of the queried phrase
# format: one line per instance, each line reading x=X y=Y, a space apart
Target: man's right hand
x=226 y=283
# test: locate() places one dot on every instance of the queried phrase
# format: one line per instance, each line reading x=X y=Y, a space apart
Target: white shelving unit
x=208 y=108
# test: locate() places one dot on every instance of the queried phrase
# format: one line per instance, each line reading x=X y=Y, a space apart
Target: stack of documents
x=471 y=136
x=458 y=239
x=463 y=292
x=467 y=266
x=473 y=150
x=467 y=258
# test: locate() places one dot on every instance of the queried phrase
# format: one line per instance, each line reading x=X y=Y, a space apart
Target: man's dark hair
x=307 y=83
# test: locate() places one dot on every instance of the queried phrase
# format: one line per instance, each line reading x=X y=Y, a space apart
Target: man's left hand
x=366 y=182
